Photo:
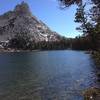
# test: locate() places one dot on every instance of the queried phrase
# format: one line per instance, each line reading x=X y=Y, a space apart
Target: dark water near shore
x=45 y=75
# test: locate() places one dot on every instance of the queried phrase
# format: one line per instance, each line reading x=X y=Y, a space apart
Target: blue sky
x=61 y=21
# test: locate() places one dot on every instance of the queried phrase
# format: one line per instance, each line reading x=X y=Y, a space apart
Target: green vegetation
x=23 y=42
x=88 y=16
x=96 y=56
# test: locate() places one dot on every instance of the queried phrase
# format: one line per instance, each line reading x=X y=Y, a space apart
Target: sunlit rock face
x=21 y=20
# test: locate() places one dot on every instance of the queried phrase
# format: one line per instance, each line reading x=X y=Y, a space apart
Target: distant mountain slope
x=21 y=20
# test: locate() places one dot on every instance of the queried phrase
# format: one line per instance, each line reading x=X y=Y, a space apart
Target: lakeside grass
x=92 y=94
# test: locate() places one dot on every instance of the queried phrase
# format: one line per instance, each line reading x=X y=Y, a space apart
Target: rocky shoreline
x=15 y=50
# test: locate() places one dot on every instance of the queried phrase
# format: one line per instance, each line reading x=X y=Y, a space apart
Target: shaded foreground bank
x=93 y=93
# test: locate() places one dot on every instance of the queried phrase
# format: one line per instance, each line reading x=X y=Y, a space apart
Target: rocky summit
x=21 y=20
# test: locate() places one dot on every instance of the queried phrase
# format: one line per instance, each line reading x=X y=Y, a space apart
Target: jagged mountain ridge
x=21 y=20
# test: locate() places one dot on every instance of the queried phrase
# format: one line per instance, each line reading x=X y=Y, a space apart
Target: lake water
x=45 y=75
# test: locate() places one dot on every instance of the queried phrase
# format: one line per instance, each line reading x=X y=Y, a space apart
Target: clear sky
x=61 y=21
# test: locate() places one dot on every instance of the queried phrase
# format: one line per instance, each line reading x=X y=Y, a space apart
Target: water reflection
x=48 y=75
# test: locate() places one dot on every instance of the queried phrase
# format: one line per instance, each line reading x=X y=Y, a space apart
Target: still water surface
x=45 y=75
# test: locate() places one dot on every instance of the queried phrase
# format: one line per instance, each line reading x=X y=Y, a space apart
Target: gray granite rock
x=21 y=20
